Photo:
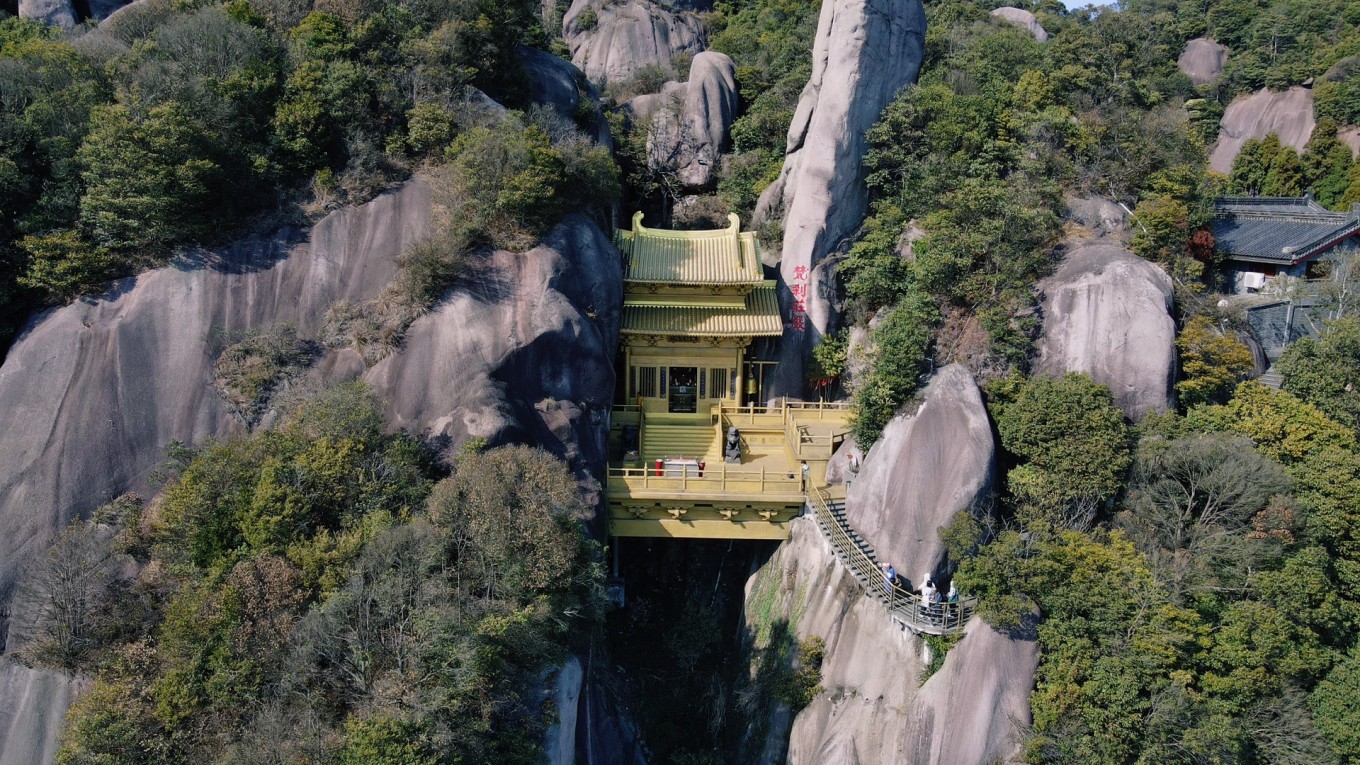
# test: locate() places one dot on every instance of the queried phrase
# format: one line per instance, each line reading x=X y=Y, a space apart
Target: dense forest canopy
x=325 y=590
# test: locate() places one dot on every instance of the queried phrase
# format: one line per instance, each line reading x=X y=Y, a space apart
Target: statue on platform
x=732 y=448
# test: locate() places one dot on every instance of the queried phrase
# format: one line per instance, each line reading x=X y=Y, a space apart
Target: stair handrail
x=904 y=605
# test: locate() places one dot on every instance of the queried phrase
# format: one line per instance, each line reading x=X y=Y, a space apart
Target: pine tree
x=1327 y=164
x=1249 y=169
x=1285 y=177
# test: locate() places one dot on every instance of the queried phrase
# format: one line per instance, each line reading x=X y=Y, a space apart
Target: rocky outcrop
x=688 y=122
x=1288 y=113
x=33 y=706
x=1202 y=60
x=1023 y=19
x=522 y=350
x=865 y=52
x=65 y=13
x=1099 y=215
x=553 y=81
x=610 y=41
x=102 y=386
x=58 y=13
x=1107 y=313
x=927 y=466
x=559 y=743
x=1351 y=137
x=873 y=708
x=975 y=708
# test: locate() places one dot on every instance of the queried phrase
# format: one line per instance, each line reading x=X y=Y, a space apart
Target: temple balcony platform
x=674 y=482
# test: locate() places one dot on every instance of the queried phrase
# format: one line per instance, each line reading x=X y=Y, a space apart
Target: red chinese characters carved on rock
x=799 y=291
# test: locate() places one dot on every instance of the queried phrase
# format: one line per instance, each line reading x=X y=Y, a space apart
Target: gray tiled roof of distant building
x=1283 y=230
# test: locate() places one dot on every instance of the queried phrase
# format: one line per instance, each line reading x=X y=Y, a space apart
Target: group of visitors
x=934 y=606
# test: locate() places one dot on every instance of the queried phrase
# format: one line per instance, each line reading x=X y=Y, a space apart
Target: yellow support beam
x=703 y=529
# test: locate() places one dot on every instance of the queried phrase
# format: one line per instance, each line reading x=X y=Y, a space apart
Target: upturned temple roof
x=720 y=257
x=759 y=317
x=1279 y=230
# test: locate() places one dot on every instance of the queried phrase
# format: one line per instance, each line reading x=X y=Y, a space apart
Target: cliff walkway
x=904 y=606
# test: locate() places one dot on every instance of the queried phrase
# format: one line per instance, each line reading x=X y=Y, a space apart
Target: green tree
x=897 y=359
x=1190 y=505
x=1250 y=167
x=1211 y=363
x=1281 y=425
x=1072 y=442
x=65 y=265
x=1162 y=229
x=149 y=181
x=1285 y=177
x=1327 y=164
x=1325 y=371
x=384 y=740
x=1336 y=707
x=512 y=518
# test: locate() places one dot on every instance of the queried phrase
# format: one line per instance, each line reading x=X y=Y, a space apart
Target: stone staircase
x=683 y=440
x=1272 y=378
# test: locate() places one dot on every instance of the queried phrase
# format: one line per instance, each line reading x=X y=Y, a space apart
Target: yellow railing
x=750 y=415
x=713 y=479
x=905 y=606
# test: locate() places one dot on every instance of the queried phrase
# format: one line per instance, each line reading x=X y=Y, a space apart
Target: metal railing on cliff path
x=906 y=607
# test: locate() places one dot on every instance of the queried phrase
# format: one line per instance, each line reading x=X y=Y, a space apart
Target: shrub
x=1211 y=363
x=1072 y=441
x=250 y=371
x=587 y=19
x=898 y=358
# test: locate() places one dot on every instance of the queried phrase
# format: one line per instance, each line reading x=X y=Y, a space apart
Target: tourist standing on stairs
x=890 y=580
x=807 y=473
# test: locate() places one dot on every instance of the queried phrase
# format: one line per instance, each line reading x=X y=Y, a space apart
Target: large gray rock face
x=97 y=389
x=552 y=81
x=1351 y=137
x=1202 y=60
x=58 y=13
x=688 y=122
x=1101 y=216
x=873 y=710
x=627 y=36
x=865 y=52
x=1107 y=313
x=62 y=13
x=1288 y=113
x=927 y=466
x=522 y=351
x=975 y=708
x=33 y=707
x=1023 y=19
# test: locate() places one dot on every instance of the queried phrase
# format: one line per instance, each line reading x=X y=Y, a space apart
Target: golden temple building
x=694 y=453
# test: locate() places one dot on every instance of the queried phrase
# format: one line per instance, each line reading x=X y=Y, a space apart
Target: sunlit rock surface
x=873 y=710
x=930 y=463
x=1023 y=19
x=1202 y=60
x=864 y=53
x=687 y=122
x=1107 y=313
x=522 y=349
x=1288 y=113
x=622 y=38
x=33 y=706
